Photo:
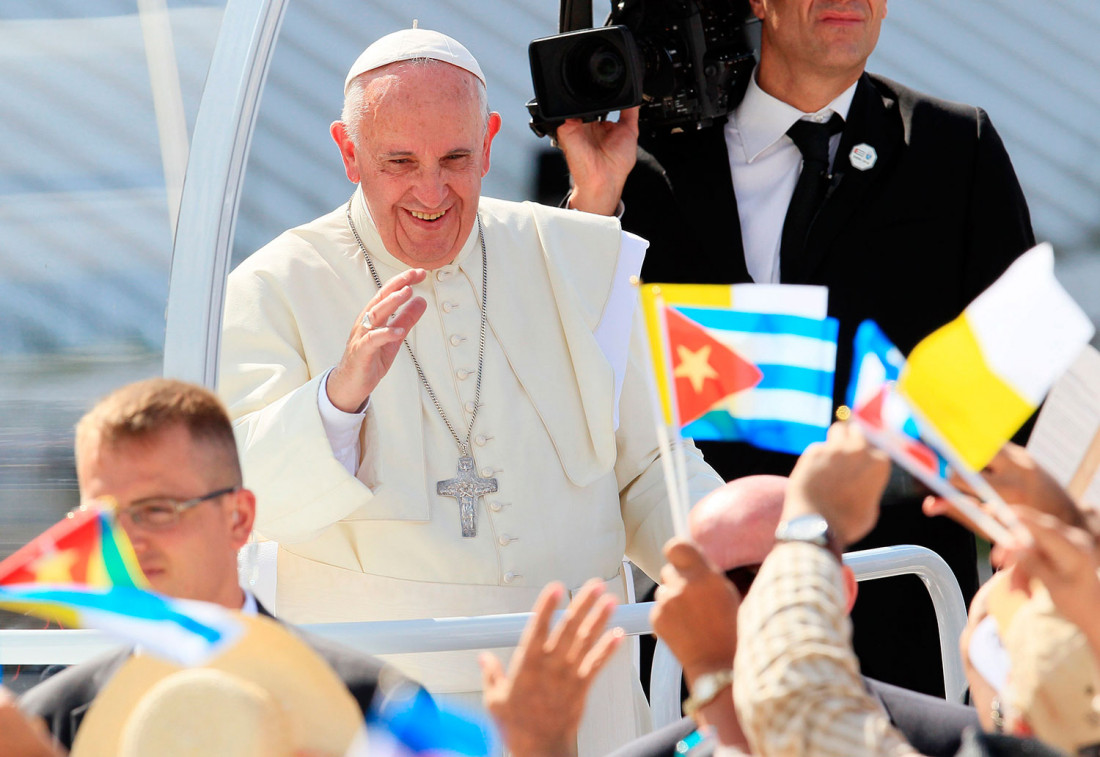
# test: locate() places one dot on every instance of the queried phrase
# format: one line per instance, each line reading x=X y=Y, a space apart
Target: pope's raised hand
x=375 y=339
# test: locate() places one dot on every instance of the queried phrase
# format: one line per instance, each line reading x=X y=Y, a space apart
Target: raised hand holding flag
x=888 y=423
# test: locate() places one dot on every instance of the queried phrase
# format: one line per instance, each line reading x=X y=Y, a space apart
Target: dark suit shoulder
x=932 y=117
x=660 y=743
x=62 y=699
x=362 y=674
x=932 y=725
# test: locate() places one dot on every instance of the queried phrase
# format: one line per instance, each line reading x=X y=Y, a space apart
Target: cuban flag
x=783 y=331
x=878 y=407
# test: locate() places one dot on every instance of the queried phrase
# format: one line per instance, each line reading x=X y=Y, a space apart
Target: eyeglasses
x=159 y=513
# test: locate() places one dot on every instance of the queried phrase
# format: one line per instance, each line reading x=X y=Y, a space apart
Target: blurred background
x=100 y=98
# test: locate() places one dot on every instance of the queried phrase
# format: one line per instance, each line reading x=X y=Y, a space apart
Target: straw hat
x=269 y=694
x=1054 y=680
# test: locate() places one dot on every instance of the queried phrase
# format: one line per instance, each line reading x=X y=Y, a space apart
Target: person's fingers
x=378 y=340
x=562 y=637
x=933 y=506
x=394 y=293
x=672 y=543
x=957 y=481
x=592 y=625
x=538 y=627
x=407 y=278
x=601 y=653
x=409 y=313
x=837 y=432
x=629 y=117
x=363 y=322
x=686 y=558
x=1060 y=547
x=491 y=670
x=383 y=309
x=1020 y=578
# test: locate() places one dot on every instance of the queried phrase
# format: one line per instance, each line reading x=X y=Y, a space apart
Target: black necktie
x=812 y=140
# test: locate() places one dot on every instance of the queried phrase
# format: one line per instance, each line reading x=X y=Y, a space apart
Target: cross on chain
x=466 y=487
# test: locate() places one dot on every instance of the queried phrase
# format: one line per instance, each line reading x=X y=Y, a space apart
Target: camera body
x=682 y=61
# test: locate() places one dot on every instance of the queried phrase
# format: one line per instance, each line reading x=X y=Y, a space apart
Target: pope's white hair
x=356 y=106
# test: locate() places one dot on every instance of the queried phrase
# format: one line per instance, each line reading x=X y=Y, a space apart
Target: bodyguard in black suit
x=164 y=451
x=906 y=238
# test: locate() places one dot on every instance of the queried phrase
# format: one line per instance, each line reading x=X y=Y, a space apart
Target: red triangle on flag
x=871 y=410
x=60 y=554
x=706 y=371
x=871 y=413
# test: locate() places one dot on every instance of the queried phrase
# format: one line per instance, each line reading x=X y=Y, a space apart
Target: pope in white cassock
x=484 y=428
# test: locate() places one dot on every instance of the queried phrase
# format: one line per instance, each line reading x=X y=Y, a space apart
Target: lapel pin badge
x=863 y=157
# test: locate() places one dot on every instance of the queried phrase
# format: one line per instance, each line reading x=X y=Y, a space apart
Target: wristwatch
x=810 y=528
x=706 y=689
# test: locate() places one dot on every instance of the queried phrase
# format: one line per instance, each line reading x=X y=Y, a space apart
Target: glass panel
x=99 y=99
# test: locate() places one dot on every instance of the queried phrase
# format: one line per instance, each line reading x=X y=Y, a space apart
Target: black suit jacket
x=63 y=699
x=909 y=242
x=934 y=727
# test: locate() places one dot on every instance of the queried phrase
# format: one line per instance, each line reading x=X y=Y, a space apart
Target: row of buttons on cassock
x=481 y=439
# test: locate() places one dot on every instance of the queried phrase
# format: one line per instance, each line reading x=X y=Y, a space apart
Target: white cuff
x=342 y=429
x=619 y=209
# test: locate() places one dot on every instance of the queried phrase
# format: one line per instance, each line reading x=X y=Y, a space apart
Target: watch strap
x=706 y=689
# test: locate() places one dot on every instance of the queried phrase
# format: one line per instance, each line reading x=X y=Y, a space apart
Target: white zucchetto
x=408 y=44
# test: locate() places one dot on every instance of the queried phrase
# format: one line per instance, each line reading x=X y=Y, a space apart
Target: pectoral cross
x=466 y=487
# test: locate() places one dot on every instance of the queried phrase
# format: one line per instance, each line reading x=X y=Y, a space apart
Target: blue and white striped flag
x=182 y=631
x=785 y=332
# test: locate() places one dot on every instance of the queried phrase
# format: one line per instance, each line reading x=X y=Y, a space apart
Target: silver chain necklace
x=466 y=487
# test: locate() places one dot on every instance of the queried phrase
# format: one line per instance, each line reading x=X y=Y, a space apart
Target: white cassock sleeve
x=342 y=429
x=271 y=390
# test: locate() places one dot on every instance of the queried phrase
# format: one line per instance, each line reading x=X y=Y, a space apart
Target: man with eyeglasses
x=696 y=615
x=163 y=452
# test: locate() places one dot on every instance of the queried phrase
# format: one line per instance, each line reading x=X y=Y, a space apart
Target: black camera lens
x=594 y=71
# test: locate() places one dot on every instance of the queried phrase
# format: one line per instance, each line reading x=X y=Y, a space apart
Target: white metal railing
x=943 y=589
x=868 y=564
x=19 y=647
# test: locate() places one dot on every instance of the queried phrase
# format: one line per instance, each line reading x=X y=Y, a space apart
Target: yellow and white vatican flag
x=977 y=379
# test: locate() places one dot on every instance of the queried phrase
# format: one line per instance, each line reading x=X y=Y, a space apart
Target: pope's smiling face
x=423 y=148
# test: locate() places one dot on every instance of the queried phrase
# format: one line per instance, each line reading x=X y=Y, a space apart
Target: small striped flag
x=87 y=547
x=182 y=631
x=784 y=332
x=875 y=402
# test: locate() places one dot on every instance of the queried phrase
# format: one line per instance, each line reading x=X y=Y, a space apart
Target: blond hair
x=139 y=412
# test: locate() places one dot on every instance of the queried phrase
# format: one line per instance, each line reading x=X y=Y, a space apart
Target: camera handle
x=574 y=15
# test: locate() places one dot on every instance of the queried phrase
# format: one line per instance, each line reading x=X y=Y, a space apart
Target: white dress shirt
x=765 y=164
